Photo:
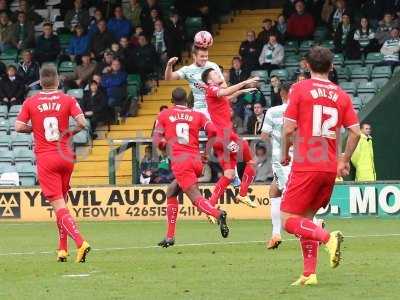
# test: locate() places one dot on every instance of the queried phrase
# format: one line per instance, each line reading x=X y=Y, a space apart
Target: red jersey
x=49 y=114
x=320 y=108
x=219 y=108
x=180 y=126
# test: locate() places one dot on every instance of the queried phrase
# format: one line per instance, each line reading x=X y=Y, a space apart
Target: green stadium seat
x=367 y=87
x=81 y=138
x=353 y=62
x=320 y=34
x=9 y=55
x=357 y=103
x=291 y=71
x=6 y=158
x=3 y=111
x=14 y=111
x=64 y=39
x=281 y=73
x=292 y=60
x=27 y=174
x=373 y=58
x=4 y=125
x=291 y=47
x=23 y=155
x=382 y=72
x=328 y=44
x=5 y=142
x=263 y=74
x=342 y=73
x=77 y=93
x=380 y=82
x=338 y=59
x=266 y=89
x=67 y=67
x=360 y=74
x=21 y=140
x=306 y=45
x=192 y=26
x=366 y=97
x=396 y=69
x=349 y=87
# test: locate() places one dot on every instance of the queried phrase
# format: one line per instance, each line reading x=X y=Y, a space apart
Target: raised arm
x=229 y=91
x=169 y=73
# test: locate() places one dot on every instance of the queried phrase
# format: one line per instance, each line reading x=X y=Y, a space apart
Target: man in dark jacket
x=28 y=70
x=12 y=89
x=77 y=16
x=343 y=39
x=267 y=30
x=250 y=51
x=176 y=34
x=47 y=45
x=101 y=40
x=145 y=58
x=237 y=73
x=22 y=35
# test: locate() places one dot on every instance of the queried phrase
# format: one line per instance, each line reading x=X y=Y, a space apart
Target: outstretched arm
x=234 y=88
x=240 y=92
x=169 y=73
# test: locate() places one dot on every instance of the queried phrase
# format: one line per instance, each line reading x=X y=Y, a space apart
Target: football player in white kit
x=272 y=129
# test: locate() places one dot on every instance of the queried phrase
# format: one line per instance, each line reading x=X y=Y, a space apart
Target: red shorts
x=54 y=174
x=307 y=191
x=186 y=172
x=229 y=160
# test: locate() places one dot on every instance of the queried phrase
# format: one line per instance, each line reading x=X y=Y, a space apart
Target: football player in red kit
x=46 y=114
x=219 y=108
x=177 y=130
x=316 y=112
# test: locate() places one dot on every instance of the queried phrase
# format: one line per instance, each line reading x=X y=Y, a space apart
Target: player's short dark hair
x=179 y=96
x=162 y=107
x=48 y=76
x=285 y=87
x=11 y=67
x=364 y=124
x=205 y=74
x=320 y=59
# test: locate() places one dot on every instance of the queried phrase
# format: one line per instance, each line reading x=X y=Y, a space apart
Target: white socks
x=276 y=215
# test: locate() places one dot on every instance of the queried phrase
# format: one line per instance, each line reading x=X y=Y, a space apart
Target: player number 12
x=323 y=128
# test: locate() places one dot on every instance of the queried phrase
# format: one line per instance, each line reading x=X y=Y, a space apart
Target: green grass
x=217 y=270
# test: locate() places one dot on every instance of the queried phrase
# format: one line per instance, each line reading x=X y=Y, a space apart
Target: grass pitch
x=125 y=264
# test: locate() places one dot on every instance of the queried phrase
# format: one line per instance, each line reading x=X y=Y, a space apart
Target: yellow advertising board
x=124 y=203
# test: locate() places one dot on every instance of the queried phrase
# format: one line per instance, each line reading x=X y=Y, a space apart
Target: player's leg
x=248 y=175
x=275 y=198
x=222 y=184
x=173 y=191
x=204 y=206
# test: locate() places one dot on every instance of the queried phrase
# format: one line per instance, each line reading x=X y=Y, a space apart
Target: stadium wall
x=148 y=203
x=382 y=112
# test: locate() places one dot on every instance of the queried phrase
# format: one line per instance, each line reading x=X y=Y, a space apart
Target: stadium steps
x=92 y=169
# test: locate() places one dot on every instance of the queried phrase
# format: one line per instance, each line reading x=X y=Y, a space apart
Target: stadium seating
x=349 y=87
x=283 y=74
x=77 y=93
x=14 y=110
x=360 y=74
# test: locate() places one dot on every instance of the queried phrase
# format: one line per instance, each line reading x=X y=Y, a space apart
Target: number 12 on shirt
x=323 y=127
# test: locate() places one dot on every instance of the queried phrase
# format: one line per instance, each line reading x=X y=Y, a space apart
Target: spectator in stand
x=76 y=16
x=255 y=122
x=115 y=83
x=263 y=164
x=391 y=50
x=327 y=10
x=302 y=69
x=127 y=55
x=47 y=45
x=281 y=28
x=275 y=91
x=101 y=40
x=22 y=33
x=272 y=55
x=98 y=15
x=249 y=51
x=4 y=8
x=315 y=9
x=79 y=44
x=336 y=16
x=82 y=74
x=116 y=51
x=164 y=173
x=5 y=32
x=301 y=77
x=148 y=23
x=160 y=41
x=385 y=27
x=148 y=165
x=247 y=101
x=12 y=89
x=301 y=25
x=119 y=26
x=148 y=6
x=95 y=108
x=145 y=58
x=364 y=37
x=372 y=10
x=237 y=73
x=267 y=30
x=31 y=15
x=332 y=75
x=176 y=34
x=28 y=71
x=203 y=11
x=343 y=39
x=104 y=66
x=132 y=11
x=134 y=41
x=363 y=157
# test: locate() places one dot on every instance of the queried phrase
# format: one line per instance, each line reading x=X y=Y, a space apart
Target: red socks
x=67 y=223
x=62 y=237
x=310 y=256
x=172 y=214
x=205 y=207
x=247 y=179
x=219 y=189
x=305 y=228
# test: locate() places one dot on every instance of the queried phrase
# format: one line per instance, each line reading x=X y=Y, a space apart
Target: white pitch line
x=195 y=244
x=76 y=275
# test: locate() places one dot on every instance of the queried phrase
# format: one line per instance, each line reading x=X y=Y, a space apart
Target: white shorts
x=204 y=111
x=281 y=174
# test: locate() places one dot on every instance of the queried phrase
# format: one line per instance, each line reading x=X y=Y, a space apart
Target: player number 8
x=51 y=131
x=182 y=132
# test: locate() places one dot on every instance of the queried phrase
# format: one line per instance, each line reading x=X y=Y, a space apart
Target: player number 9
x=51 y=131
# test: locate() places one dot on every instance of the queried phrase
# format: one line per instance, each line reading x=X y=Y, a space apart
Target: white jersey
x=273 y=123
x=192 y=74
